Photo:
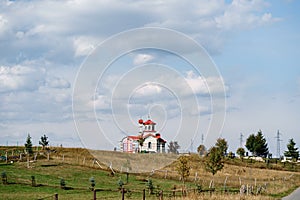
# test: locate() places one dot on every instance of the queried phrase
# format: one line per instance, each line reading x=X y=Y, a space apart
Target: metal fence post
x=95 y=195
x=55 y=196
x=123 y=194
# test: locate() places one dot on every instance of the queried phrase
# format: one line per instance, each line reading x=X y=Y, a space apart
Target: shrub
x=33 y=181
x=62 y=183
x=150 y=186
x=120 y=183
x=93 y=183
x=4 y=178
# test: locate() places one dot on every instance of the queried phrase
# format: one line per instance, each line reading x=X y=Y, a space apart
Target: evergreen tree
x=257 y=144
x=261 y=147
x=28 y=145
x=250 y=143
x=292 y=150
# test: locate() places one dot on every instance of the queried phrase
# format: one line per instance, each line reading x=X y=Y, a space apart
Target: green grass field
x=76 y=169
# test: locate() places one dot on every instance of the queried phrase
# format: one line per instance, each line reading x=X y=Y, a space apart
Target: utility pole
x=278 y=144
x=241 y=139
x=202 y=138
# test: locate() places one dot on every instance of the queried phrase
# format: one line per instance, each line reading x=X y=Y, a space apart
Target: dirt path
x=293 y=196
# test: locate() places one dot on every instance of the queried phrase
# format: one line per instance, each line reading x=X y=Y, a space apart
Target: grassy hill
x=76 y=166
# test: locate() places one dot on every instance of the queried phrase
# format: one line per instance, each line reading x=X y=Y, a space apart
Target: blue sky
x=254 y=45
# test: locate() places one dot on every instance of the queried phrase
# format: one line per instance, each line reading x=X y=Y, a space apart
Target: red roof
x=134 y=137
x=148 y=122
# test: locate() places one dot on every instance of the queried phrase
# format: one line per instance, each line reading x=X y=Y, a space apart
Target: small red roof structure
x=148 y=122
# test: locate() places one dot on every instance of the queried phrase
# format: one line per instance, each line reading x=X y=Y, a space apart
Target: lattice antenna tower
x=192 y=148
x=241 y=139
x=278 y=140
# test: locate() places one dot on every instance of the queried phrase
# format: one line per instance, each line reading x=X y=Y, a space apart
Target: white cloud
x=71 y=31
x=83 y=46
x=142 y=59
x=63 y=32
x=56 y=82
x=242 y=14
x=208 y=85
x=3 y=23
x=20 y=78
x=99 y=102
x=148 y=89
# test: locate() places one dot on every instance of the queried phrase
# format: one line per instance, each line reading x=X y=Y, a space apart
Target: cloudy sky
x=45 y=46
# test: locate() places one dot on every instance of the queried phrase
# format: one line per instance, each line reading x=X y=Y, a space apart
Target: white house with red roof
x=148 y=140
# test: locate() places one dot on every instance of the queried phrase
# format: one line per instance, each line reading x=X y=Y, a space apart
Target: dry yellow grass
x=278 y=182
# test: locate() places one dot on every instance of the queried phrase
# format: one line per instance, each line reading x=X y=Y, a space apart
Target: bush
x=93 y=183
x=120 y=183
x=150 y=186
x=62 y=184
x=4 y=178
x=33 y=181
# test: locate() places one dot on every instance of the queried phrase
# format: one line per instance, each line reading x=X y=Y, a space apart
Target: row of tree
x=214 y=157
x=256 y=144
x=28 y=145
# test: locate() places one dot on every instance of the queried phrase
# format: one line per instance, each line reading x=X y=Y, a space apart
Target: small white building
x=148 y=140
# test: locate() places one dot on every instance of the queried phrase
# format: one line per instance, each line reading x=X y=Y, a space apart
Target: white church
x=148 y=140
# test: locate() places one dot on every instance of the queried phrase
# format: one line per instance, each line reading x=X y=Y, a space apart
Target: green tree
x=257 y=144
x=28 y=145
x=241 y=152
x=292 y=150
x=250 y=143
x=183 y=168
x=201 y=150
x=214 y=160
x=173 y=147
x=222 y=145
x=44 y=141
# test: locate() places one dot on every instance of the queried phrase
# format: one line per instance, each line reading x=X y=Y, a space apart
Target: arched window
x=149 y=145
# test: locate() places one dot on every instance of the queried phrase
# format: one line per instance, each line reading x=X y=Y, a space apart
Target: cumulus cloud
x=18 y=78
x=62 y=33
x=205 y=86
x=84 y=45
x=43 y=33
x=148 y=89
